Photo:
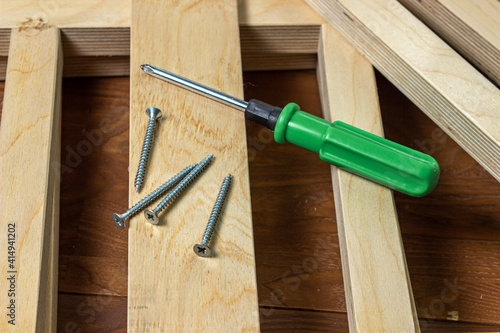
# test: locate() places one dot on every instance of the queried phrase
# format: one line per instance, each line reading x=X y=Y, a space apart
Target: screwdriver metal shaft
x=195 y=87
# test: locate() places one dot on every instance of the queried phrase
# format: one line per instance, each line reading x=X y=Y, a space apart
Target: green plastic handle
x=362 y=153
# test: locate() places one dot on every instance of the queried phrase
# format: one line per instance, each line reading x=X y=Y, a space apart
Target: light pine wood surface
x=170 y=288
x=376 y=280
x=470 y=27
x=277 y=12
x=116 y=13
x=65 y=13
x=429 y=72
x=29 y=185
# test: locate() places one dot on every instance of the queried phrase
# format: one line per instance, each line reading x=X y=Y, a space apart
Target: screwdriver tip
x=146 y=68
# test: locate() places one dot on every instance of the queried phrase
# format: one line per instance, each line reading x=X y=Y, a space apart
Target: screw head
x=202 y=250
x=151 y=216
x=119 y=221
x=153 y=113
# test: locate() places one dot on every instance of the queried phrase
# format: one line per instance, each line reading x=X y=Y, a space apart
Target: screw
x=152 y=215
x=202 y=249
x=121 y=218
x=153 y=114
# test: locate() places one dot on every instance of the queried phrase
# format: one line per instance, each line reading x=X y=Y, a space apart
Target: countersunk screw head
x=120 y=222
x=153 y=113
x=151 y=216
x=202 y=250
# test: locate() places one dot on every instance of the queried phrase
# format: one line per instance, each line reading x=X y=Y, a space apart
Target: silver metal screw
x=202 y=249
x=152 y=215
x=153 y=114
x=121 y=218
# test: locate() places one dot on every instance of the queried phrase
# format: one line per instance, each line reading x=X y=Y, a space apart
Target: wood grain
x=93 y=254
x=441 y=83
x=29 y=187
x=377 y=284
x=115 y=13
x=219 y=293
x=92 y=313
x=291 y=320
x=65 y=13
x=263 y=12
x=472 y=28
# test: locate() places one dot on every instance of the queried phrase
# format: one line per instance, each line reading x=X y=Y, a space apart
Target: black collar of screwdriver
x=262 y=113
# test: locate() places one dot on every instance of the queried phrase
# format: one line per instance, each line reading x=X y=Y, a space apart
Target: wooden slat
x=29 y=185
x=470 y=27
x=376 y=280
x=170 y=288
x=116 y=13
x=279 y=12
x=65 y=13
x=441 y=83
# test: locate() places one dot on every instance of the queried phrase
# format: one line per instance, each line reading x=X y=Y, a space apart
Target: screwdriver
x=347 y=147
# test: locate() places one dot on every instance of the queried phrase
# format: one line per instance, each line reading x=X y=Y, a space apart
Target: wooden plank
x=441 y=83
x=376 y=280
x=29 y=156
x=218 y=293
x=65 y=13
x=51 y=280
x=51 y=259
x=471 y=27
x=276 y=12
x=116 y=13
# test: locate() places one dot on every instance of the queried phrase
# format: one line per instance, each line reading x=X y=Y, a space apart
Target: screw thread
x=145 y=152
x=183 y=184
x=216 y=210
x=158 y=192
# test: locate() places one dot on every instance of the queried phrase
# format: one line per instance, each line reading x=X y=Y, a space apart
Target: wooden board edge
x=377 y=306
